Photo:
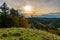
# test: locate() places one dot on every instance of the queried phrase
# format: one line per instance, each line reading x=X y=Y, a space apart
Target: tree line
x=12 y=18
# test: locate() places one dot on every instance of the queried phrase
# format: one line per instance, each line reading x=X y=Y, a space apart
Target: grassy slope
x=26 y=34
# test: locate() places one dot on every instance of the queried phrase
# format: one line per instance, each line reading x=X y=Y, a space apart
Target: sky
x=40 y=6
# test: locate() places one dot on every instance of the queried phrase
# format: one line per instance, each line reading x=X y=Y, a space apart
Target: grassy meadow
x=26 y=34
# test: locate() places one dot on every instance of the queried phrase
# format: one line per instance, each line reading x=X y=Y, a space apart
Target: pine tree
x=4 y=9
x=6 y=20
x=14 y=12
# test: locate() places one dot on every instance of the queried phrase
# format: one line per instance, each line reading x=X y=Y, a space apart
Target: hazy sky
x=40 y=6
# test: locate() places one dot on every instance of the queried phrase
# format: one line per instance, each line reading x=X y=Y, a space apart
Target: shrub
x=16 y=34
x=4 y=35
x=21 y=38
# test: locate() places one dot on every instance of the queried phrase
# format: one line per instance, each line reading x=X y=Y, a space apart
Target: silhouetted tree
x=14 y=12
x=6 y=20
x=4 y=9
x=18 y=19
x=14 y=19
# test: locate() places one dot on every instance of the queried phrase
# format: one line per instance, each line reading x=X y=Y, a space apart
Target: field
x=26 y=34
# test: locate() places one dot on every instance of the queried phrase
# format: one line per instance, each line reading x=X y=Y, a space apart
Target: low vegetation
x=26 y=34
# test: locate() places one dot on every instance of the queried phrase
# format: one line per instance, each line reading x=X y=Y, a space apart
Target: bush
x=21 y=38
x=4 y=35
x=16 y=34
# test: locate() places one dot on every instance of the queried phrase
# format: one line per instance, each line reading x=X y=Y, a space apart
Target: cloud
x=43 y=6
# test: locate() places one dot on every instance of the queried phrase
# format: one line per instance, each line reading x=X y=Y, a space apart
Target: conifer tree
x=4 y=9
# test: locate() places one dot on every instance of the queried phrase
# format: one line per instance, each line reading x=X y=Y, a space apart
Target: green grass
x=58 y=29
x=26 y=34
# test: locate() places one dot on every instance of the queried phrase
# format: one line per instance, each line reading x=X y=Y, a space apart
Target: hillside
x=26 y=34
x=46 y=21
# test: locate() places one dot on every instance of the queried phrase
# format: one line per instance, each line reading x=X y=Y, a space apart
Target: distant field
x=26 y=34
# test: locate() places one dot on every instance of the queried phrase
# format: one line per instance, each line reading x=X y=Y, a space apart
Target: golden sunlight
x=27 y=8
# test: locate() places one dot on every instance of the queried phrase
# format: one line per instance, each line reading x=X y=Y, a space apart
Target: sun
x=27 y=8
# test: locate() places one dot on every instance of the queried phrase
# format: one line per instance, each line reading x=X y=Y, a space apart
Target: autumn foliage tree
x=24 y=22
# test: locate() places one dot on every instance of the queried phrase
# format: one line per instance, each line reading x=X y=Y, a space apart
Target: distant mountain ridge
x=51 y=15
